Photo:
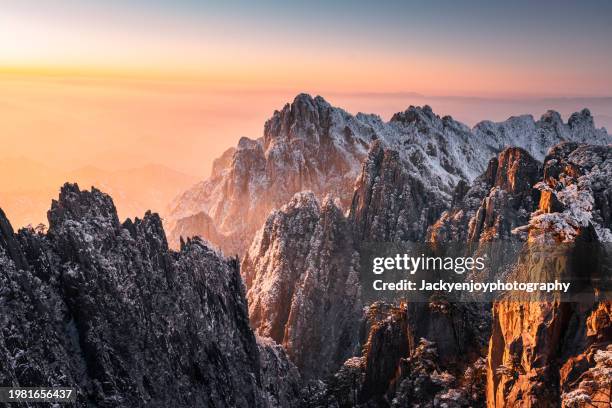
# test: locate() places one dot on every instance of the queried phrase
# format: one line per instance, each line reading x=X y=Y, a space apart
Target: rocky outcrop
x=308 y=145
x=379 y=210
x=543 y=353
x=499 y=201
x=105 y=307
x=311 y=145
x=275 y=262
x=399 y=367
x=281 y=381
x=303 y=291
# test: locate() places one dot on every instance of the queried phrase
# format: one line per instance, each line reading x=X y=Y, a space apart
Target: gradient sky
x=123 y=84
x=433 y=47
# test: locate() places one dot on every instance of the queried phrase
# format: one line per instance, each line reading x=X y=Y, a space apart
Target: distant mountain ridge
x=312 y=145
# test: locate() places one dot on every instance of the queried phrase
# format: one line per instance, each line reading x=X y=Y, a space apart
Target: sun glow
x=123 y=84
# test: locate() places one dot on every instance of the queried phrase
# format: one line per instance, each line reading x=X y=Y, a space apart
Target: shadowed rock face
x=390 y=204
x=281 y=381
x=542 y=354
x=302 y=283
x=106 y=307
x=399 y=367
x=9 y=244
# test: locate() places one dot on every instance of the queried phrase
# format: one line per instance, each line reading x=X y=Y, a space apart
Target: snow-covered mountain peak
x=311 y=145
x=308 y=119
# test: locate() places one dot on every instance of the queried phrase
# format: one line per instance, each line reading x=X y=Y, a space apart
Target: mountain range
x=311 y=145
x=112 y=309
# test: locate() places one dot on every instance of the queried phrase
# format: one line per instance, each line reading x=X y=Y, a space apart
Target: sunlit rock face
x=303 y=289
x=543 y=354
x=308 y=145
x=108 y=308
x=311 y=145
x=462 y=335
x=500 y=200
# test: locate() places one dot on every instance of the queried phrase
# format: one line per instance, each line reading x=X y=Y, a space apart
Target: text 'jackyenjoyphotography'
x=485 y=272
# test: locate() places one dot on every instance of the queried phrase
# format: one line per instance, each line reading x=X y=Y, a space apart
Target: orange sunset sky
x=140 y=96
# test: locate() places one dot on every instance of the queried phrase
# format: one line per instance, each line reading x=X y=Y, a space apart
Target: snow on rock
x=576 y=194
x=303 y=290
x=311 y=145
x=390 y=203
x=544 y=350
x=499 y=200
x=106 y=308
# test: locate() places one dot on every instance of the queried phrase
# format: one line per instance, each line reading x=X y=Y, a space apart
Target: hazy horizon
x=116 y=124
x=121 y=85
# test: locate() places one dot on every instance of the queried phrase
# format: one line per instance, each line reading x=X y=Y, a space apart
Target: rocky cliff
x=499 y=200
x=547 y=354
x=105 y=307
x=391 y=203
x=400 y=367
x=303 y=290
x=311 y=145
x=504 y=203
x=288 y=246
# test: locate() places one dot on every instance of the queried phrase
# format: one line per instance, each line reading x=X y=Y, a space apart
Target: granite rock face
x=281 y=380
x=551 y=353
x=312 y=145
x=107 y=308
x=308 y=145
x=303 y=290
x=499 y=201
x=390 y=203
